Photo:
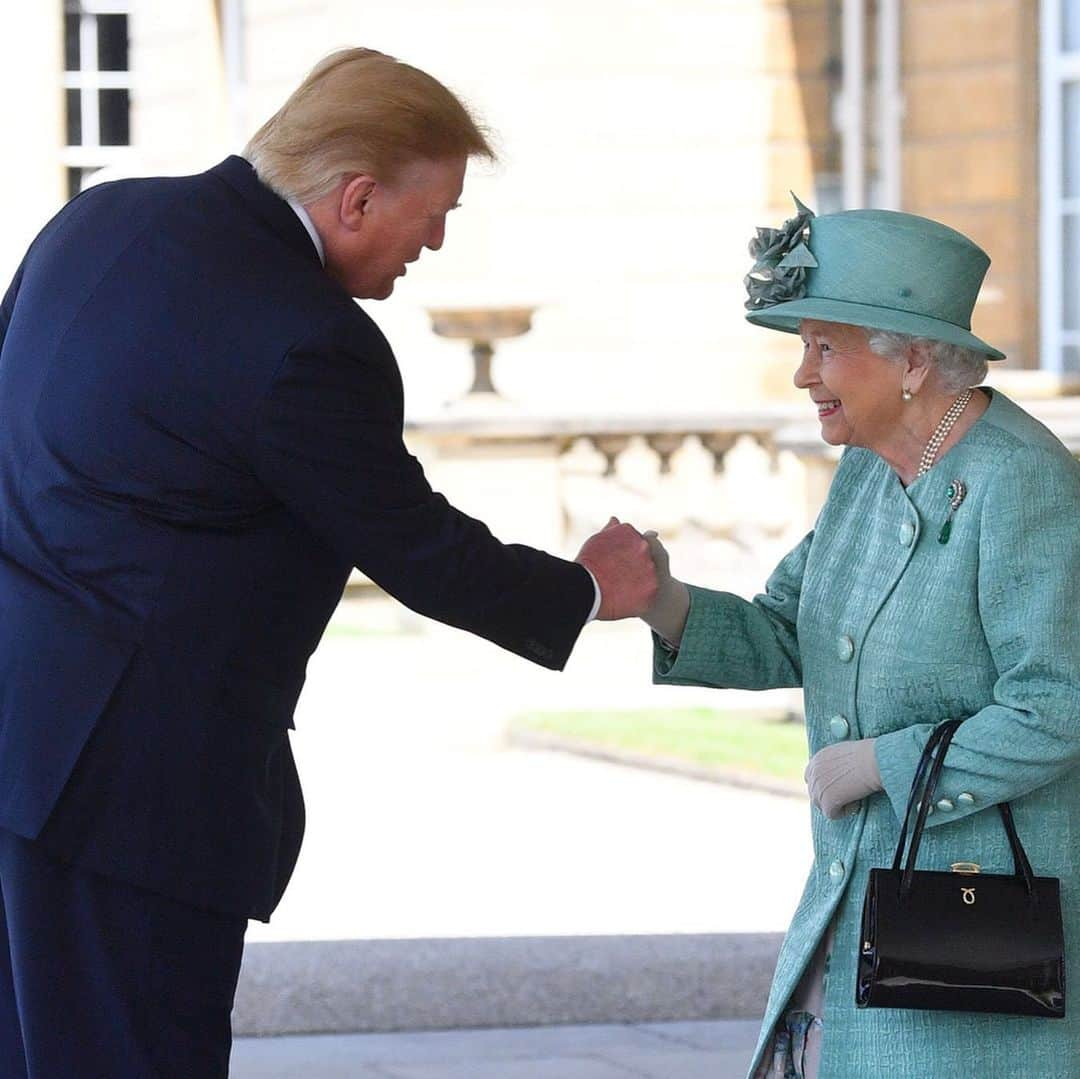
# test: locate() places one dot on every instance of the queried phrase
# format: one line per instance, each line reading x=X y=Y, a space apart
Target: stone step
x=354 y=986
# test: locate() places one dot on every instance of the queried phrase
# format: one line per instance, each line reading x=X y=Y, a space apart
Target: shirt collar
x=305 y=220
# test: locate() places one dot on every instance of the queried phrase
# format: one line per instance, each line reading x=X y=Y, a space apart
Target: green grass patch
x=766 y=744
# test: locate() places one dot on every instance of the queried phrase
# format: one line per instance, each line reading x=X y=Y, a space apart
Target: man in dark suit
x=201 y=437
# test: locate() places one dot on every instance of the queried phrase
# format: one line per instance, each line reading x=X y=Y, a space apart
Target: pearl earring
x=906 y=394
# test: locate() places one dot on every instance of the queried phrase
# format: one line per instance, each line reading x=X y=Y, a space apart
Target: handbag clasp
x=966 y=867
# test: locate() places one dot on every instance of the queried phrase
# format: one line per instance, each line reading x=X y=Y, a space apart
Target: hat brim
x=787 y=316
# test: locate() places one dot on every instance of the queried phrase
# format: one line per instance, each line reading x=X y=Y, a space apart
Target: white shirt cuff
x=596 y=602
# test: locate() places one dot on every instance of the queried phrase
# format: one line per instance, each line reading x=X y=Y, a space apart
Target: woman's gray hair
x=958 y=367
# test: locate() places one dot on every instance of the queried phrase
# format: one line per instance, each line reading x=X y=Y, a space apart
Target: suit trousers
x=103 y=980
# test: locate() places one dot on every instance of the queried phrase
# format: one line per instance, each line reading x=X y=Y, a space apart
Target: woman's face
x=857 y=392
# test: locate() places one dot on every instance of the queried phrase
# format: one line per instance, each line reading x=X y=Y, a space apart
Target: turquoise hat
x=874 y=268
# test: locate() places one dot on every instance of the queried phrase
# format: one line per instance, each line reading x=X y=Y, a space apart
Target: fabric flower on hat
x=781 y=259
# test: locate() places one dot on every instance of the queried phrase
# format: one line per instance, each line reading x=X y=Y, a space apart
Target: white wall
x=633 y=168
x=32 y=181
x=635 y=157
x=179 y=110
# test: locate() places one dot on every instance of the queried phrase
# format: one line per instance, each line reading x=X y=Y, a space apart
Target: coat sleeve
x=730 y=643
x=7 y=305
x=328 y=443
x=1029 y=606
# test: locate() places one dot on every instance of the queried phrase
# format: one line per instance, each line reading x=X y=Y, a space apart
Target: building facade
x=640 y=144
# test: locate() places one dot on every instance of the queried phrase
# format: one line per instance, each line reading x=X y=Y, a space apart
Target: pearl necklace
x=941 y=432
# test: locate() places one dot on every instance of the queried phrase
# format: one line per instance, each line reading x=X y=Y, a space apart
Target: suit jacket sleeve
x=7 y=305
x=1029 y=606
x=328 y=443
x=730 y=643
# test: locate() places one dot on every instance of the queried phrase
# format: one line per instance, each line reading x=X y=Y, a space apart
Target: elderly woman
x=942 y=580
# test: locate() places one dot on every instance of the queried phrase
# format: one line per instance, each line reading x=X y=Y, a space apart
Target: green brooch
x=956 y=492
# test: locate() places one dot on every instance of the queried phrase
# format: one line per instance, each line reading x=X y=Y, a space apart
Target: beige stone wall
x=635 y=163
x=970 y=134
x=179 y=111
x=640 y=145
x=971 y=147
x=636 y=158
x=801 y=61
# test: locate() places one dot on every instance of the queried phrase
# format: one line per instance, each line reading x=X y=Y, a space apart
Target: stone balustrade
x=729 y=491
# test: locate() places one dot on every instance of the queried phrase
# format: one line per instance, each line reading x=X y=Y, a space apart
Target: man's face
x=392 y=224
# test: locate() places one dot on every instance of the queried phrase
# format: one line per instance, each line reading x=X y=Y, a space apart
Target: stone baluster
x=665 y=445
x=610 y=446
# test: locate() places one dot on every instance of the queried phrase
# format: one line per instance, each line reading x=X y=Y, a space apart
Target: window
x=847 y=58
x=97 y=85
x=1060 y=137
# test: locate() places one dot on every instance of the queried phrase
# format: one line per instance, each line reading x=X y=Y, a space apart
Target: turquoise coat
x=889 y=631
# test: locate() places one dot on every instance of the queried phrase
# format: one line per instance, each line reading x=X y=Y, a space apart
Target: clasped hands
x=634 y=576
x=633 y=572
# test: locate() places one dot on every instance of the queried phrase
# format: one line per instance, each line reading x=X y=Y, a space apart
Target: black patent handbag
x=962 y=940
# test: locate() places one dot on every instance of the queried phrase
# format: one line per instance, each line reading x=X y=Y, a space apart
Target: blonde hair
x=360 y=111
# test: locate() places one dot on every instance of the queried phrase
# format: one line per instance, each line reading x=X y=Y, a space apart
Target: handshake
x=634 y=576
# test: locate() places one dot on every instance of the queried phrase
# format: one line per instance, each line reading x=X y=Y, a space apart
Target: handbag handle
x=923 y=788
x=916 y=798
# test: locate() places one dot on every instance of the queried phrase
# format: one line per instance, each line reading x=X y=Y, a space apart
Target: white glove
x=667 y=612
x=839 y=776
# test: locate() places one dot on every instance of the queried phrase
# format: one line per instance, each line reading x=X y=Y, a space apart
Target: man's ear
x=355 y=200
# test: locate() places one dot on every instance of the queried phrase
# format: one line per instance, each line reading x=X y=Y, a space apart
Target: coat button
x=907 y=534
x=944 y=805
x=845 y=648
x=965 y=799
x=836 y=870
x=840 y=728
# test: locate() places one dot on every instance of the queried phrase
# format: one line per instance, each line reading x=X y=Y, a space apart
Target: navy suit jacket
x=200 y=435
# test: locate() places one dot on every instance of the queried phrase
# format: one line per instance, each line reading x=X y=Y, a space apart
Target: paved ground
x=647 y=1051
x=422 y=822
